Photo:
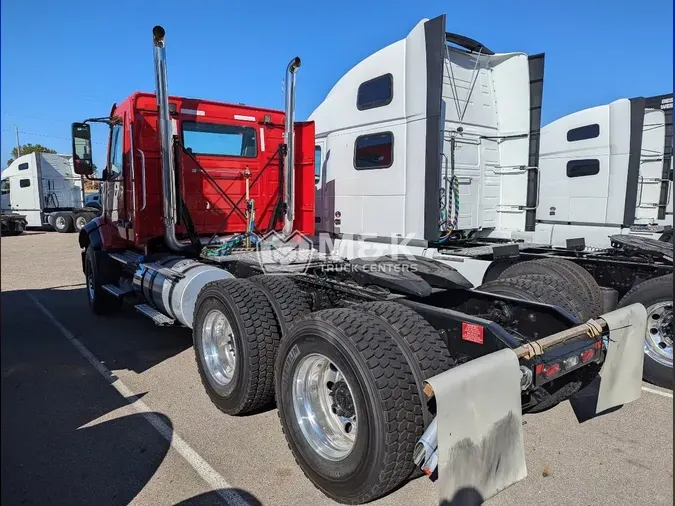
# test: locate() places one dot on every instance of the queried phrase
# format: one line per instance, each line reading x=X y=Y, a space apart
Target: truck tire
x=99 y=270
x=81 y=219
x=339 y=374
x=63 y=222
x=422 y=346
x=580 y=282
x=288 y=301
x=236 y=337
x=537 y=288
x=656 y=295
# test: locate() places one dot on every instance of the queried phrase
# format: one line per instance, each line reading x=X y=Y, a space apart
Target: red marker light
x=551 y=369
x=587 y=355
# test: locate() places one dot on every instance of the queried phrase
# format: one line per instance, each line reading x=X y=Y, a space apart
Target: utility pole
x=18 y=145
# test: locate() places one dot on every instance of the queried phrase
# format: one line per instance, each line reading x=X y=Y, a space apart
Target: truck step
x=127 y=257
x=160 y=319
x=117 y=291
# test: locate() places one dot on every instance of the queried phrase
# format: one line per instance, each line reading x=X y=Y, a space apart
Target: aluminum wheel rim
x=60 y=222
x=328 y=422
x=80 y=222
x=659 y=338
x=219 y=347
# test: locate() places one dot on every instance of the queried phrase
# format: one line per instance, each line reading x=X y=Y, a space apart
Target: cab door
x=325 y=191
x=113 y=194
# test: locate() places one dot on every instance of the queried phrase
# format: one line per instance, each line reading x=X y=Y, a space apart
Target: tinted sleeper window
x=23 y=166
x=375 y=93
x=584 y=132
x=580 y=168
x=374 y=151
x=24 y=183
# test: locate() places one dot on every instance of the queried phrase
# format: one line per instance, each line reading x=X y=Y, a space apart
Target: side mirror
x=82 y=158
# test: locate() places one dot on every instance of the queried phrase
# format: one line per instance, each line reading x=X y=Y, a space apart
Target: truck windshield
x=219 y=140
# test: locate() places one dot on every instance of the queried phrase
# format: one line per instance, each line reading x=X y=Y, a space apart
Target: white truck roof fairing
x=436 y=91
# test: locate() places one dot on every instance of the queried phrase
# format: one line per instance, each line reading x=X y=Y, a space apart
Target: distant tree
x=29 y=148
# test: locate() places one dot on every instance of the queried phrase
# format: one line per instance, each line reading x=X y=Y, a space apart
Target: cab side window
x=115 y=162
x=317 y=164
x=4 y=187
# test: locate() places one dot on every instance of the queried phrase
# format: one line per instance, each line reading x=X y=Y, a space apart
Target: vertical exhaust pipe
x=289 y=138
x=166 y=152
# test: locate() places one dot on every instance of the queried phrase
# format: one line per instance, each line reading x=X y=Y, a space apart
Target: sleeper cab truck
x=44 y=188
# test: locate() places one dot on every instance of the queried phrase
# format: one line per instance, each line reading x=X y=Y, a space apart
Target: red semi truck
x=377 y=365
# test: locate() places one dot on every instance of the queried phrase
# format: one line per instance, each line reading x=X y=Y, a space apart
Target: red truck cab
x=217 y=147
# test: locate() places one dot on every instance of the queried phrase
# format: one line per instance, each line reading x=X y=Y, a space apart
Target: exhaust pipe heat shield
x=480 y=430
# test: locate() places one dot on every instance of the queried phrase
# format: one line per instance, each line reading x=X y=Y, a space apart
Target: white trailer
x=442 y=155
x=44 y=188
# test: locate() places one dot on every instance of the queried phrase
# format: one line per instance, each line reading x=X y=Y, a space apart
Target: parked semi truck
x=44 y=189
x=587 y=197
x=377 y=366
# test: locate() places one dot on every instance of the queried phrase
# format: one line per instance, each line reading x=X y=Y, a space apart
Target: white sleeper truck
x=44 y=188
x=604 y=171
x=443 y=155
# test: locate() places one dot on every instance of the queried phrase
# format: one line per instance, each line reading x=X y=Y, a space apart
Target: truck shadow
x=122 y=340
x=215 y=497
x=68 y=436
x=585 y=401
x=465 y=496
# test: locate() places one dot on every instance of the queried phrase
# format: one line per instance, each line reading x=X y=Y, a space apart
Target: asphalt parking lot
x=72 y=434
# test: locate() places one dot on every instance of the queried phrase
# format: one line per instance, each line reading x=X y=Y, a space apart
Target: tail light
x=551 y=369
x=587 y=355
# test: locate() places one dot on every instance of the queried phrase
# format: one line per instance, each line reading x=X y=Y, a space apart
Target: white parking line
x=658 y=392
x=203 y=469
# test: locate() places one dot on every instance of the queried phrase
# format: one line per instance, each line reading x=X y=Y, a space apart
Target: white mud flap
x=480 y=448
x=621 y=373
x=480 y=430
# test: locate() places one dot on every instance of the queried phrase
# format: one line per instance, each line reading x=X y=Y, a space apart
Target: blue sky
x=68 y=60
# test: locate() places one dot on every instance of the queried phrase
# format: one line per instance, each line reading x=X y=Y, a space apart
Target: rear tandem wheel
x=580 y=282
x=236 y=337
x=656 y=295
x=63 y=222
x=345 y=395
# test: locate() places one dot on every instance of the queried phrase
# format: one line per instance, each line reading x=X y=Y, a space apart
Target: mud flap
x=621 y=373
x=480 y=431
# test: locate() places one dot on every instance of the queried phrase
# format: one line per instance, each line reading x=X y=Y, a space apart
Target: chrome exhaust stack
x=166 y=152
x=289 y=139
